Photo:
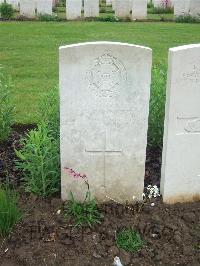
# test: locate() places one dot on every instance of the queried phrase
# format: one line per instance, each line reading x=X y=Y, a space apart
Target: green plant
x=108 y=18
x=47 y=17
x=10 y=213
x=157 y=105
x=150 y=4
x=161 y=10
x=187 y=19
x=102 y=10
x=129 y=240
x=83 y=213
x=48 y=112
x=6 y=107
x=39 y=161
x=6 y=11
x=86 y=212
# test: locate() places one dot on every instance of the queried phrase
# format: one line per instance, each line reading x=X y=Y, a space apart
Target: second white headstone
x=181 y=149
x=91 y=8
x=73 y=9
x=44 y=7
x=139 y=10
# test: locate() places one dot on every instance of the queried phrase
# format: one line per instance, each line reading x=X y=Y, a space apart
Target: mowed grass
x=29 y=51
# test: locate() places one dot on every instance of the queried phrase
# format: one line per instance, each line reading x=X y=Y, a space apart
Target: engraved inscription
x=107 y=75
x=193 y=75
x=189 y=125
x=193 y=126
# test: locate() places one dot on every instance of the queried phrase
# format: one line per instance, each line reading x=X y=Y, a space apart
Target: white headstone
x=122 y=8
x=113 y=4
x=73 y=9
x=195 y=7
x=139 y=10
x=130 y=4
x=27 y=8
x=91 y=8
x=158 y=3
x=104 y=90
x=181 y=152
x=44 y=7
x=13 y=3
x=108 y=2
x=181 y=7
x=172 y=3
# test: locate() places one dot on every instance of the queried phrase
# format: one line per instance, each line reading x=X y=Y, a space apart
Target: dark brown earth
x=44 y=237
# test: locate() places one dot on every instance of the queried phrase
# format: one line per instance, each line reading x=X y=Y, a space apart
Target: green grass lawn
x=29 y=50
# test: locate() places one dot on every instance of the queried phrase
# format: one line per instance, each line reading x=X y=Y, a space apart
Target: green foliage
x=39 y=155
x=39 y=161
x=6 y=107
x=47 y=17
x=6 y=11
x=10 y=213
x=129 y=240
x=157 y=105
x=48 y=112
x=150 y=4
x=102 y=3
x=62 y=3
x=108 y=18
x=161 y=10
x=102 y=10
x=187 y=19
x=83 y=213
x=41 y=75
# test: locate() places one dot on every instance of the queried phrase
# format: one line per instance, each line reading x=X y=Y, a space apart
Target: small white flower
x=152 y=204
x=58 y=212
x=117 y=262
x=152 y=191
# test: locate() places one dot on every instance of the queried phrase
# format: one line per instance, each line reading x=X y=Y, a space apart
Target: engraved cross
x=105 y=152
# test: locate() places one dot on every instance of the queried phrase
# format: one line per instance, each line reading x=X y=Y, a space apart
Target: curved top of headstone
x=104 y=43
x=185 y=47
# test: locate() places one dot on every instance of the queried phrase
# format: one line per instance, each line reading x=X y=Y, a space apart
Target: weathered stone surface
x=139 y=10
x=104 y=90
x=73 y=9
x=14 y=3
x=108 y=2
x=91 y=8
x=181 y=7
x=130 y=5
x=158 y=3
x=122 y=8
x=181 y=153
x=44 y=7
x=195 y=7
x=113 y=4
x=27 y=8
